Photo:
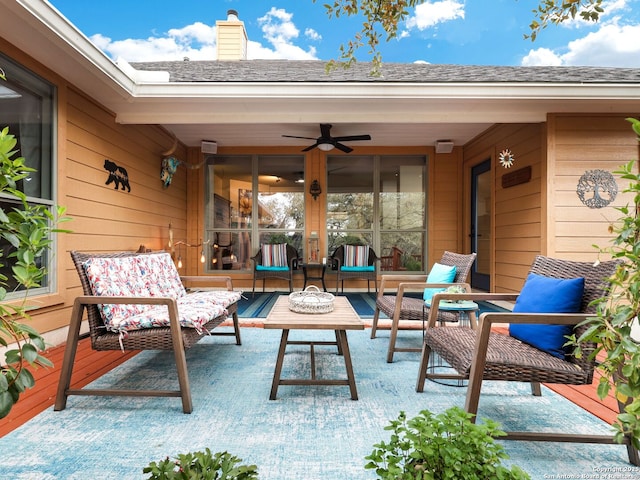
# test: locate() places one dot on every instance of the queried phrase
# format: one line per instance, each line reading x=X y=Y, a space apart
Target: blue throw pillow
x=547 y=295
x=439 y=274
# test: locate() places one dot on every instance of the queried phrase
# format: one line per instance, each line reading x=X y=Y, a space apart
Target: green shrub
x=445 y=446
x=201 y=466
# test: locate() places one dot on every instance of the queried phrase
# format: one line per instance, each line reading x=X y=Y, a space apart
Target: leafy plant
x=202 y=466
x=438 y=447
x=26 y=229
x=617 y=312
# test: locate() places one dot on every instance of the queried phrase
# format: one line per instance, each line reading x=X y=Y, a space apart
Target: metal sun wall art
x=506 y=158
x=597 y=188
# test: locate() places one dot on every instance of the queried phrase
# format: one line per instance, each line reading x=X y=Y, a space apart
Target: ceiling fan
x=326 y=142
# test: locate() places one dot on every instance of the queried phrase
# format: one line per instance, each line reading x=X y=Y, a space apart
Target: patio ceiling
x=259 y=113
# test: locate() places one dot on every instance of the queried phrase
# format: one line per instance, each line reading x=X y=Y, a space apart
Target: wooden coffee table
x=342 y=318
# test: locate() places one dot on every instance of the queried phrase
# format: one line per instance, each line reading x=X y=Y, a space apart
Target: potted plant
x=444 y=446
x=201 y=466
x=612 y=329
x=25 y=232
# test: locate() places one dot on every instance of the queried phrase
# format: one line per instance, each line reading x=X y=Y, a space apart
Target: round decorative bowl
x=311 y=300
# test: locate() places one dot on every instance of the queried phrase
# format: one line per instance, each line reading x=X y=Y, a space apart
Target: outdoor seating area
x=244 y=374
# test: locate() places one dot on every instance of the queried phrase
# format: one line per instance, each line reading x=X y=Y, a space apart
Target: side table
x=466 y=311
x=314 y=271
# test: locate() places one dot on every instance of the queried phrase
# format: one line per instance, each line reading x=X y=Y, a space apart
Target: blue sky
x=471 y=32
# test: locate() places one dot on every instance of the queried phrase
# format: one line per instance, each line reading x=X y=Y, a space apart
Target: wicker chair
x=287 y=274
x=483 y=354
x=400 y=307
x=337 y=262
x=173 y=338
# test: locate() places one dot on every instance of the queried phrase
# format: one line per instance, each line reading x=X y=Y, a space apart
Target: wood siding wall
x=580 y=143
x=545 y=215
x=103 y=219
x=517 y=212
x=106 y=219
x=445 y=206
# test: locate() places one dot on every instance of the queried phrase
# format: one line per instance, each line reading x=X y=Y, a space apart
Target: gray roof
x=314 y=71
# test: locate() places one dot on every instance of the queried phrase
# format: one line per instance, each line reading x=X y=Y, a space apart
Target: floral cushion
x=195 y=311
x=219 y=297
x=151 y=275
x=165 y=277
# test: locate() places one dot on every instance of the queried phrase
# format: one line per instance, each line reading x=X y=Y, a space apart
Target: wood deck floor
x=91 y=365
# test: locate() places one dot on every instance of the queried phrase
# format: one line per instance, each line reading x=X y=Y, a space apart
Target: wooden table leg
x=279 y=362
x=342 y=336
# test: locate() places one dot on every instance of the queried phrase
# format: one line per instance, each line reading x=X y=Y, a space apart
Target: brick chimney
x=231 y=38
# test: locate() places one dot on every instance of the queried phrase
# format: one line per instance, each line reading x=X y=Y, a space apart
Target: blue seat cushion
x=547 y=295
x=439 y=274
x=272 y=269
x=368 y=268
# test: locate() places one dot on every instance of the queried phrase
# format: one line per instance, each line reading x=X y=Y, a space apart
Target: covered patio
x=332 y=433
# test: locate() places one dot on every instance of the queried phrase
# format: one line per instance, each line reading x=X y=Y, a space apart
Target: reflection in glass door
x=481 y=225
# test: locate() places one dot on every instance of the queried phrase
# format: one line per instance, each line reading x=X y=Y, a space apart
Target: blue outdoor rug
x=259 y=305
x=308 y=433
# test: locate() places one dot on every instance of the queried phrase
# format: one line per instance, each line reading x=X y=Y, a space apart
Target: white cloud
x=541 y=56
x=312 y=34
x=198 y=42
x=280 y=31
x=431 y=13
x=611 y=45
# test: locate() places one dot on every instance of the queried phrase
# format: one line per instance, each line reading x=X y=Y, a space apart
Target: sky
x=471 y=32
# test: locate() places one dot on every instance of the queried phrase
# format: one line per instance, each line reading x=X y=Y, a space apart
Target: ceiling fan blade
x=310 y=147
x=342 y=147
x=351 y=138
x=325 y=130
x=293 y=136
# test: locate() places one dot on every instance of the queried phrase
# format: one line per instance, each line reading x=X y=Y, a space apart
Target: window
x=27 y=108
x=379 y=201
x=252 y=200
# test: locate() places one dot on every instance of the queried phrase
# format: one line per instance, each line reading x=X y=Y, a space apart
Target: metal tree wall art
x=597 y=188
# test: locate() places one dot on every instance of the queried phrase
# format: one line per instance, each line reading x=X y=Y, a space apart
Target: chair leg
x=180 y=359
x=236 y=328
x=374 y=324
x=69 y=356
x=393 y=336
x=535 y=389
x=424 y=365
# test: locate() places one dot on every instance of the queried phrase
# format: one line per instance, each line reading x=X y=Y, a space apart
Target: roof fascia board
x=71 y=41
x=373 y=90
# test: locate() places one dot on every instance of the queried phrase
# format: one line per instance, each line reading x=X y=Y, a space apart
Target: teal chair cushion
x=439 y=274
x=272 y=269
x=369 y=268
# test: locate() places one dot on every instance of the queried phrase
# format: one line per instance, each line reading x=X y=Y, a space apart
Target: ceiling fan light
x=325 y=147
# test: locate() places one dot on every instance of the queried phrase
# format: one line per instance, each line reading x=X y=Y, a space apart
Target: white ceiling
x=247 y=135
